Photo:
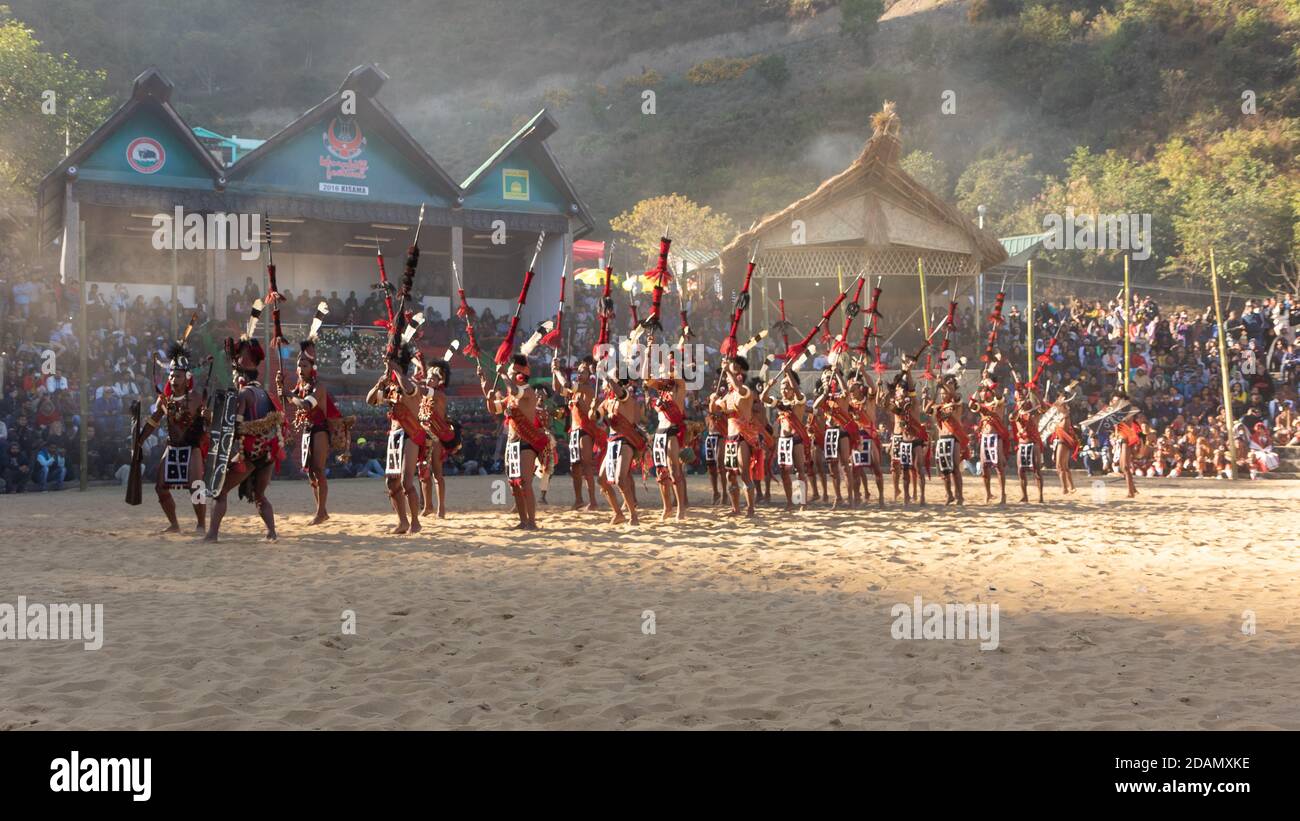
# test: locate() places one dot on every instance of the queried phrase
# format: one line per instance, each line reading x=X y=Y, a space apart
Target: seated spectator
x=16 y=468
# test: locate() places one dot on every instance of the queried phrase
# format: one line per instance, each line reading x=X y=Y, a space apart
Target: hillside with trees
x=1185 y=109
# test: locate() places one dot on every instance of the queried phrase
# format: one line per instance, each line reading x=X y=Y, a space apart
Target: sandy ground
x=1113 y=614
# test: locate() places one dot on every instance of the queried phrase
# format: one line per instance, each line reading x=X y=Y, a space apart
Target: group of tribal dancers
x=264 y=423
x=625 y=419
x=826 y=448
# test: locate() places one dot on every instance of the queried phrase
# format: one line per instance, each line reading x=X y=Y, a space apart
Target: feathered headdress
x=402 y=356
x=178 y=356
x=235 y=348
x=322 y=311
x=442 y=366
x=247 y=342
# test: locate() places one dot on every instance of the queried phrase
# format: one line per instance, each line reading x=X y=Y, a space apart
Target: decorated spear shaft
x=404 y=290
x=850 y=312
x=995 y=321
x=742 y=302
x=277 y=336
x=508 y=344
x=661 y=276
x=802 y=345
x=729 y=346
x=383 y=282
x=785 y=324
x=466 y=313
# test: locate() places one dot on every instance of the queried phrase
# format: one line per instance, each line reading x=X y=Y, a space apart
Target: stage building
x=336 y=182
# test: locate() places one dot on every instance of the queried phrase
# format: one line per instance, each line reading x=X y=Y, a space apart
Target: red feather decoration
x=464 y=311
x=508 y=344
x=729 y=345
x=552 y=339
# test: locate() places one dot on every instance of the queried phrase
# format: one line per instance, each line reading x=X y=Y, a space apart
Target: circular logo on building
x=145 y=155
x=343 y=138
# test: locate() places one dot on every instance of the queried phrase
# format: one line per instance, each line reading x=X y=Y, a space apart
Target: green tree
x=774 y=70
x=46 y=101
x=691 y=226
x=928 y=170
x=859 y=19
x=1005 y=183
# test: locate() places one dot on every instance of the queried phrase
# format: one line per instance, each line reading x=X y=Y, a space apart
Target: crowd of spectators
x=1174 y=371
x=1175 y=378
x=40 y=411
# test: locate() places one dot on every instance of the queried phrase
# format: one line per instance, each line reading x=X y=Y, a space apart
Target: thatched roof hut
x=870 y=217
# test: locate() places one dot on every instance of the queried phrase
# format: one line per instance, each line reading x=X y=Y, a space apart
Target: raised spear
x=508 y=344
x=277 y=336
x=1045 y=358
x=466 y=313
x=398 y=324
x=800 y=346
x=841 y=345
x=782 y=325
x=552 y=338
x=606 y=313
x=995 y=321
x=383 y=283
x=729 y=345
x=660 y=275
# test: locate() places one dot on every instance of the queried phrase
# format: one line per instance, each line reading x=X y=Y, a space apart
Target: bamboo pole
x=176 y=310
x=83 y=435
x=1029 y=316
x=925 y=307
x=1128 y=303
x=1223 y=370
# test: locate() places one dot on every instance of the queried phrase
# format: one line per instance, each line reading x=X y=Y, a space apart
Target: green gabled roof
x=507 y=147
x=1022 y=243
x=366 y=81
x=698 y=259
x=530 y=140
x=151 y=93
x=244 y=143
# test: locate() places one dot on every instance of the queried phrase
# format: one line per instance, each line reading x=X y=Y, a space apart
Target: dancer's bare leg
x=319 y=458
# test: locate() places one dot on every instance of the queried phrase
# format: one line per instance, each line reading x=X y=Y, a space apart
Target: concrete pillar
x=70 y=251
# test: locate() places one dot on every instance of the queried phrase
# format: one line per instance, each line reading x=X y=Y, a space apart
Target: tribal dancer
x=1064 y=439
x=669 y=403
x=817 y=467
x=1128 y=430
x=548 y=413
x=909 y=439
x=626 y=444
x=527 y=441
x=586 y=439
x=407 y=440
x=312 y=406
x=995 y=440
x=1029 y=442
x=863 y=401
x=952 y=446
x=743 y=458
x=257 y=433
x=793 y=442
x=715 y=425
x=840 y=429
x=187 y=439
x=443 y=434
